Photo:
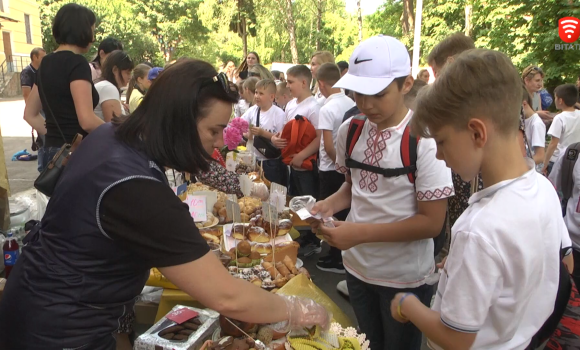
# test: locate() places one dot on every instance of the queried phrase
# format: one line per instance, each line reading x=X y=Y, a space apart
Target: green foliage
x=158 y=29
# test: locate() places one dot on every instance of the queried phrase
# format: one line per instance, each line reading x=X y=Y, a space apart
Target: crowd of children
x=408 y=160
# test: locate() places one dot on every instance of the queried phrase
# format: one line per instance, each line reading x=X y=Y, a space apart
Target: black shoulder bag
x=47 y=180
x=265 y=146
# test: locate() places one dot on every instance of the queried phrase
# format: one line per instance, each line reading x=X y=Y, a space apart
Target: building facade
x=21 y=32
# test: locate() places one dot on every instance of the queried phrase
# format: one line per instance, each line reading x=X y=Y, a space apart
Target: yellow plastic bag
x=156 y=279
x=301 y=286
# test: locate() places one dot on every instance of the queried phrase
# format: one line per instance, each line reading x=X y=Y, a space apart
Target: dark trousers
x=276 y=171
x=576 y=272
x=372 y=306
x=330 y=183
x=305 y=183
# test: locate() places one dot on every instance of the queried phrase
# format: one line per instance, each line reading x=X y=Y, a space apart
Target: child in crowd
x=535 y=131
x=303 y=182
x=412 y=94
x=441 y=54
x=565 y=129
x=500 y=280
x=336 y=104
x=249 y=90
x=266 y=120
x=282 y=95
x=565 y=176
x=395 y=209
x=242 y=106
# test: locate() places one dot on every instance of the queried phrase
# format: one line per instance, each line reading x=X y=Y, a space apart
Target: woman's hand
x=304 y=312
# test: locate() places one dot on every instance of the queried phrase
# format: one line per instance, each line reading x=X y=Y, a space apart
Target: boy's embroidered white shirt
x=566 y=127
x=502 y=273
x=376 y=199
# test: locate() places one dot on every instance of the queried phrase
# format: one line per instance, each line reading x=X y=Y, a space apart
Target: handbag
x=265 y=146
x=47 y=180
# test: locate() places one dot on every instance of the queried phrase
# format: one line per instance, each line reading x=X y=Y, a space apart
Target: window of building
x=28 y=29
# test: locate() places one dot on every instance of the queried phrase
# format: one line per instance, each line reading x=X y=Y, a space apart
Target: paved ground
x=16 y=137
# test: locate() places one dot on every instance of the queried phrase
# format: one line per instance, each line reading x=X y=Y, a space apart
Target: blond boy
x=501 y=277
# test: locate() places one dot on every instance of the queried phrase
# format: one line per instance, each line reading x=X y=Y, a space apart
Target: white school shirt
x=376 y=199
x=107 y=91
x=330 y=118
x=271 y=121
x=535 y=130
x=320 y=98
x=502 y=273
x=308 y=108
x=240 y=108
x=572 y=218
x=566 y=127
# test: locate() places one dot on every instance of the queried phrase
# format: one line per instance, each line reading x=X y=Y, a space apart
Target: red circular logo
x=569 y=29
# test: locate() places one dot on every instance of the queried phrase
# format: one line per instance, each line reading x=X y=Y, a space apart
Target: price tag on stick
x=197 y=207
x=233 y=210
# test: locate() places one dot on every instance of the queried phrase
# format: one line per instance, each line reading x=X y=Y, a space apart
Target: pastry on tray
x=212 y=231
x=258 y=235
x=284 y=227
x=262 y=248
x=239 y=232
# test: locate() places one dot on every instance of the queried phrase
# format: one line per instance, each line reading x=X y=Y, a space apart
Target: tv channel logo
x=569 y=29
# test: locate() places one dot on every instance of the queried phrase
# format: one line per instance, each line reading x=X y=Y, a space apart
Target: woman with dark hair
x=251 y=60
x=64 y=88
x=105 y=48
x=116 y=73
x=113 y=216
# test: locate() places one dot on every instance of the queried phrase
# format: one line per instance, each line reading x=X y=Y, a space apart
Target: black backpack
x=408 y=156
x=567 y=174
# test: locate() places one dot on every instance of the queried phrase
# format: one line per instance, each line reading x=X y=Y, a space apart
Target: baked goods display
x=286 y=249
x=211 y=234
x=211 y=221
x=243 y=257
x=234 y=336
x=267 y=275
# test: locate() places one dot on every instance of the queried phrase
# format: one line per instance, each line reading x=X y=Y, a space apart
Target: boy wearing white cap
x=397 y=193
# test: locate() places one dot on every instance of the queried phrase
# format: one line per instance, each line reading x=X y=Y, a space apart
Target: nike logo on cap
x=357 y=61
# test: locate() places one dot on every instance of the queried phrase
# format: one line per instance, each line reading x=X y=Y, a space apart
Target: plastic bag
x=151 y=295
x=302 y=202
x=301 y=286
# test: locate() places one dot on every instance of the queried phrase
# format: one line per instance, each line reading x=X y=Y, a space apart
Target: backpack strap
x=567 y=171
x=409 y=153
x=354 y=130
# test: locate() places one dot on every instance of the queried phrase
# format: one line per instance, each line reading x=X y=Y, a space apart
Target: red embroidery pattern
x=437 y=194
x=341 y=169
x=373 y=154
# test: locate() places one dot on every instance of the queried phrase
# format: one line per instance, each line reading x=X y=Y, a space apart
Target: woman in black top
x=64 y=76
x=113 y=216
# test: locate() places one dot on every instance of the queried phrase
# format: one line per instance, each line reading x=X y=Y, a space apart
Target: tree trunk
x=320 y=11
x=468 y=12
x=360 y=23
x=407 y=18
x=243 y=30
x=291 y=31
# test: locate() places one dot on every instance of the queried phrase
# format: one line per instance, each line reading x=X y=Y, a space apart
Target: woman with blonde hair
x=260 y=72
x=138 y=86
x=318 y=59
x=533 y=78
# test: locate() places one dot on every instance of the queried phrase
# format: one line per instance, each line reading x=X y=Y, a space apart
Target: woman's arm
x=110 y=109
x=207 y=281
x=32 y=112
x=83 y=100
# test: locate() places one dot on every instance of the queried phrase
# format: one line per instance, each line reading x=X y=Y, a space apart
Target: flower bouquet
x=233 y=135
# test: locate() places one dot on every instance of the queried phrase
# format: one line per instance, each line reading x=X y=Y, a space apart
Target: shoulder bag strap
x=41 y=93
x=258 y=118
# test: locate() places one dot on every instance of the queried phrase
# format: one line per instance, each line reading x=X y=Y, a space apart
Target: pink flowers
x=233 y=134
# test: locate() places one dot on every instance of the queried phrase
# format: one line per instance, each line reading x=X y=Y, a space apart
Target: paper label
x=179 y=316
x=274 y=187
x=246 y=185
x=197 y=207
x=304 y=214
x=278 y=200
x=233 y=210
x=228 y=229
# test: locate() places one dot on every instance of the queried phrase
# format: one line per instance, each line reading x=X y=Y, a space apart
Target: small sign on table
x=197 y=207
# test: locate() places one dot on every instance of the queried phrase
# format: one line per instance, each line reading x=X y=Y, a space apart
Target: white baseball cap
x=374 y=64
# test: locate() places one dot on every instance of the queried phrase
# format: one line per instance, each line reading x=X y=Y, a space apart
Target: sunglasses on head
x=221 y=79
